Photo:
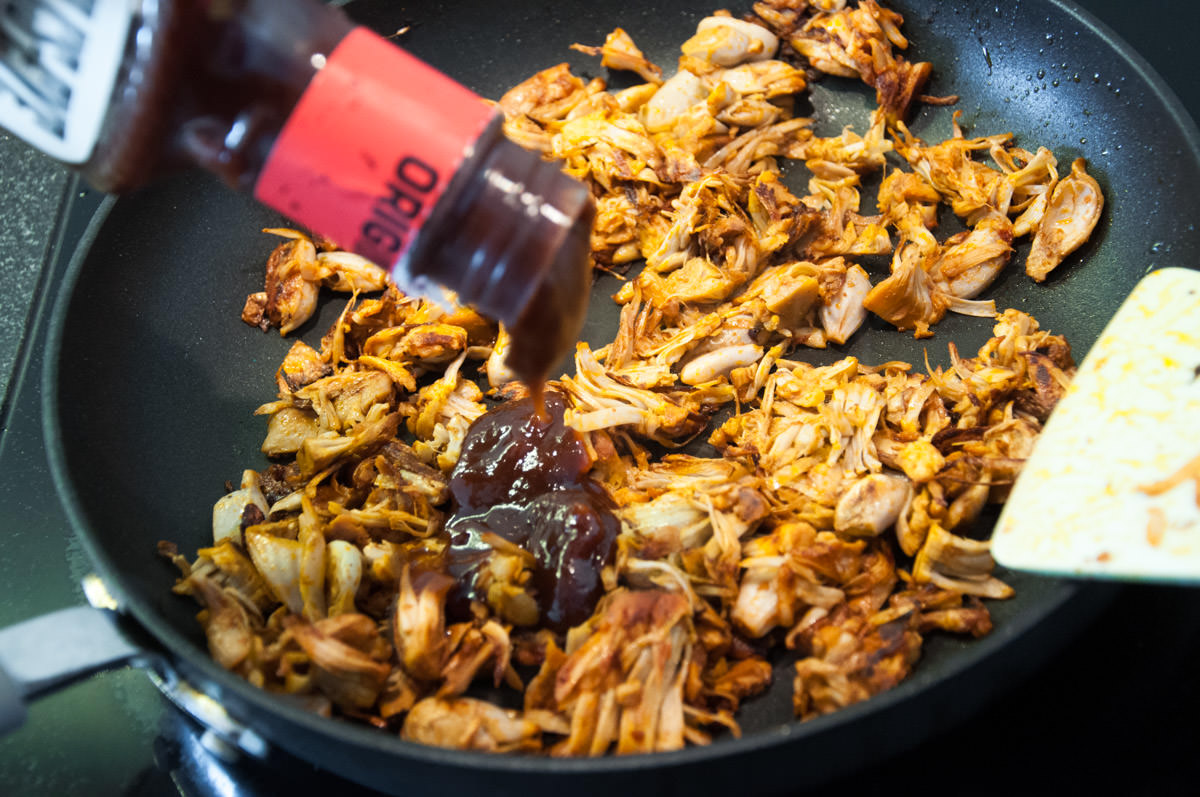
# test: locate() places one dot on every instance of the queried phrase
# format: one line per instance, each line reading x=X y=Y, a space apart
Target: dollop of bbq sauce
x=522 y=475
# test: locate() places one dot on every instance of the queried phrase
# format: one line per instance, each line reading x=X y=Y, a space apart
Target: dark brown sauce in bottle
x=548 y=328
x=213 y=84
x=210 y=85
x=525 y=479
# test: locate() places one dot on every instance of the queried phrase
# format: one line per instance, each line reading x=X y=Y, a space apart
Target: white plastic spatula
x=1112 y=489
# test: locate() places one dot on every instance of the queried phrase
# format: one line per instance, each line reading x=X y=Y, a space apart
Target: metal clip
x=224 y=736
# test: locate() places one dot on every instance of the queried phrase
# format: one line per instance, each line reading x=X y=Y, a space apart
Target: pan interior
x=154 y=379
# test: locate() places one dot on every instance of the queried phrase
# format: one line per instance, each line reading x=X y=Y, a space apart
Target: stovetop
x=1113 y=713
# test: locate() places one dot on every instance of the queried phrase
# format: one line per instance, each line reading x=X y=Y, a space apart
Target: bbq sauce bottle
x=341 y=131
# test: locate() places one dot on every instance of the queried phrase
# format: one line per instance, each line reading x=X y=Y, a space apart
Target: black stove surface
x=1112 y=714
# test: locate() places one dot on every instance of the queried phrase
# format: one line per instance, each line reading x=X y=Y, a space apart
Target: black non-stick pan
x=152 y=378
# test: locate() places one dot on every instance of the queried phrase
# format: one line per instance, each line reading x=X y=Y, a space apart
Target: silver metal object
x=59 y=61
x=224 y=736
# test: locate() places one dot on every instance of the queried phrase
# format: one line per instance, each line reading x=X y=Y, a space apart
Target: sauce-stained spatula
x=1112 y=489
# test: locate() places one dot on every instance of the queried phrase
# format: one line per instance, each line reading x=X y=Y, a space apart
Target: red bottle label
x=370 y=147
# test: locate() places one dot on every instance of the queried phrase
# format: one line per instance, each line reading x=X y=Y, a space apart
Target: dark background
x=1114 y=713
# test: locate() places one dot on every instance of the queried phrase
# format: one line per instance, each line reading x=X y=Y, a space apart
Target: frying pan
x=151 y=378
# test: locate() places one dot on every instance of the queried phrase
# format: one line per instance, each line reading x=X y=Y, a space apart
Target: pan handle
x=57 y=649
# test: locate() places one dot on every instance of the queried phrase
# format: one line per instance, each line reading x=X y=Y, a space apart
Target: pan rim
x=182 y=649
x=1170 y=100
